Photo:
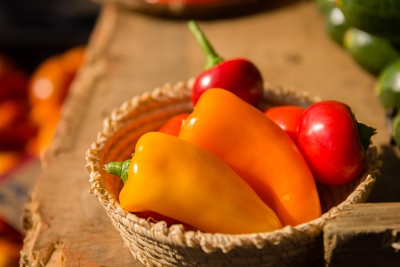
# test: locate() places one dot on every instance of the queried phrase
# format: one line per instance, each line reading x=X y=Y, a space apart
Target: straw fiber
x=155 y=244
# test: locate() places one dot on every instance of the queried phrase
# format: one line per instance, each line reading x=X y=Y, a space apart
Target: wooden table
x=130 y=53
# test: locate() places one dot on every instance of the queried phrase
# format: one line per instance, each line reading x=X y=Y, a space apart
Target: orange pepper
x=258 y=150
x=48 y=88
x=51 y=80
x=9 y=252
x=9 y=160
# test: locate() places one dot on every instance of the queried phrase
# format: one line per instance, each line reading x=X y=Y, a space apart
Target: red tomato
x=329 y=140
x=174 y=124
x=287 y=117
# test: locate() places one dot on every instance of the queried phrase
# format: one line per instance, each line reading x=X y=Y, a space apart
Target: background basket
x=155 y=244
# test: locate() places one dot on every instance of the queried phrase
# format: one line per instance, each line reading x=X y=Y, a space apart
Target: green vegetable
x=396 y=130
x=370 y=52
x=377 y=17
x=325 y=6
x=336 y=25
x=119 y=169
x=388 y=86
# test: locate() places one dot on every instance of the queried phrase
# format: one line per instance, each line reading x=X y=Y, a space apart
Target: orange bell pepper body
x=258 y=150
x=183 y=181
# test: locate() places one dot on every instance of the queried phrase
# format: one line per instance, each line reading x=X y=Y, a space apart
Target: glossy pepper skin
x=328 y=136
x=287 y=117
x=258 y=150
x=183 y=181
x=173 y=125
x=239 y=75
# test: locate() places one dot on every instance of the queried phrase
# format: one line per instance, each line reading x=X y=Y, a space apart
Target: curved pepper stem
x=118 y=168
x=212 y=58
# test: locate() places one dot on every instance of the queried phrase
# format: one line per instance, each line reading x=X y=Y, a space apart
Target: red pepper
x=333 y=142
x=8 y=233
x=174 y=124
x=287 y=117
x=15 y=127
x=13 y=81
x=238 y=76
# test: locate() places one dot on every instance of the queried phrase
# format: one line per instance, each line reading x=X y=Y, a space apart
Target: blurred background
x=31 y=31
x=42 y=46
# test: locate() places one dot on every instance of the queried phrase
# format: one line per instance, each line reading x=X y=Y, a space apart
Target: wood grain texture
x=364 y=235
x=130 y=53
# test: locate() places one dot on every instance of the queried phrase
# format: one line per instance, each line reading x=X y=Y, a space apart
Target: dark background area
x=31 y=30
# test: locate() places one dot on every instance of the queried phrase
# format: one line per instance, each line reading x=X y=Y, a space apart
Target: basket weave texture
x=155 y=244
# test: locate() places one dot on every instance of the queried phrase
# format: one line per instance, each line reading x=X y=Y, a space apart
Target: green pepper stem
x=212 y=58
x=118 y=168
x=365 y=132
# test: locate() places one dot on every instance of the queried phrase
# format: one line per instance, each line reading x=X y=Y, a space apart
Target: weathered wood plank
x=364 y=235
x=66 y=226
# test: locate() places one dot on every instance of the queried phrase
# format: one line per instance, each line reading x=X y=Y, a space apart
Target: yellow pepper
x=183 y=181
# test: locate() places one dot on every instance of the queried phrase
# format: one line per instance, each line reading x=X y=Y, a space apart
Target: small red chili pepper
x=238 y=76
x=333 y=142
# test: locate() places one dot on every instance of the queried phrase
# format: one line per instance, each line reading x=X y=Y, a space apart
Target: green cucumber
x=325 y=6
x=396 y=130
x=377 y=17
x=336 y=25
x=370 y=52
x=388 y=86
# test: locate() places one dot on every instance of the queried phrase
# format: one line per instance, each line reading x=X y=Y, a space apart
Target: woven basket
x=155 y=244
